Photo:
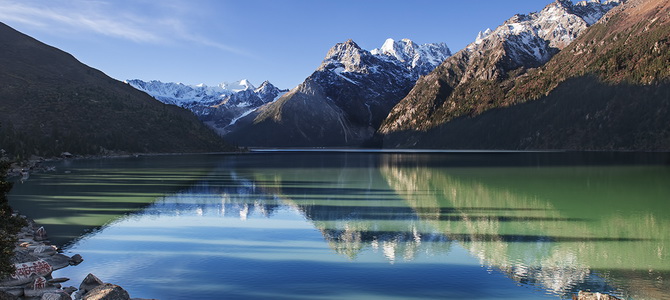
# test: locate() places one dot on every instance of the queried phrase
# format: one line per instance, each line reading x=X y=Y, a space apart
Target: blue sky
x=212 y=41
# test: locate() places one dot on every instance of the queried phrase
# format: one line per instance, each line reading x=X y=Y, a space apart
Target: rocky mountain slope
x=344 y=101
x=220 y=106
x=50 y=103
x=524 y=41
x=607 y=90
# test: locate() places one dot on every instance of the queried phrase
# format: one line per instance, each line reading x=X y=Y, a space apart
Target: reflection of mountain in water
x=562 y=229
x=565 y=229
x=223 y=195
x=350 y=204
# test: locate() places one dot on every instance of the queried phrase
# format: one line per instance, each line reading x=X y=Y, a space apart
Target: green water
x=363 y=225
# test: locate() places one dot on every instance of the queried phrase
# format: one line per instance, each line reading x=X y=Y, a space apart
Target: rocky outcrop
x=34 y=260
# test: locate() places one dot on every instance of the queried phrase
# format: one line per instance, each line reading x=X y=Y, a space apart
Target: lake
x=362 y=225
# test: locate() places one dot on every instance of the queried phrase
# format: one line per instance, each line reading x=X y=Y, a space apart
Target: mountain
x=220 y=106
x=344 y=101
x=520 y=43
x=51 y=103
x=607 y=90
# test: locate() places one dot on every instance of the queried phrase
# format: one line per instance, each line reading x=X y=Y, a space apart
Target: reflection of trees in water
x=350 y=237
x=408 y=210
x=510 y=225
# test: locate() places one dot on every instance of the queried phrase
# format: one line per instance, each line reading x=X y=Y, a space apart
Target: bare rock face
x=107 y=291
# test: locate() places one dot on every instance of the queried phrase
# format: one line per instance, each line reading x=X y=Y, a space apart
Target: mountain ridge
x=520 y=43
x=608 y=90
x=52 y=103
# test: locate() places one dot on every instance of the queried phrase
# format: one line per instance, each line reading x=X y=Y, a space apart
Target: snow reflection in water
x=399 y=226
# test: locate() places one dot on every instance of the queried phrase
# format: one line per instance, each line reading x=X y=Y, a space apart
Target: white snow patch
x=339 y=71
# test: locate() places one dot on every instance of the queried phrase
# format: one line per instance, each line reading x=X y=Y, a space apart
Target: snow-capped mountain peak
x=419 y=58
x=238 y=86
x=219 y=106
x=533 y=39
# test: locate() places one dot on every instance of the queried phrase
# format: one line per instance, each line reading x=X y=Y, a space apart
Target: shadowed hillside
x=50 y=103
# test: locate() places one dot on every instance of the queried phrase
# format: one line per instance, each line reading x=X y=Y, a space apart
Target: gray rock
x=32 y=293
x=58 y=280
x=69 y=290
x=26 y=270
x=58 y=261
x=76 y=259
x=44 y=250
x=7 y=296
x=107 y=291
x=89 y=283
x=56 y=296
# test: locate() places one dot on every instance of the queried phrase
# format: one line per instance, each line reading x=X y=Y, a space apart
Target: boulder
x=58 y=261
x=44 y=251
x=76 y=259
x=33 y=293
x=107 y=291
x=28 y=267
x=89 y=283
x=56 y=296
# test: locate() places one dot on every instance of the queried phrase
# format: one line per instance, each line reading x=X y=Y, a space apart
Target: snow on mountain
x=420 y=59
x=534 y=38
x=344 y=100
x=522 y=42
x=219 y=106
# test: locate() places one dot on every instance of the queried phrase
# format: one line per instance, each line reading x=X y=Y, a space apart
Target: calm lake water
x=323 y=225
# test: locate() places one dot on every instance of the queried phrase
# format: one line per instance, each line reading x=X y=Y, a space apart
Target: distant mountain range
x=220 y=107
x=341 y=104
x=51 y=103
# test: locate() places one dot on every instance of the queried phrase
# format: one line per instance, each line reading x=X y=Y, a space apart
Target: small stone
x=89 y=283
x=40 y=234
x=107 y=291
x=76 y=259
x=58 y=280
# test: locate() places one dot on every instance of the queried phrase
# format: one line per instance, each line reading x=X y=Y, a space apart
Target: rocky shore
x=35 y=259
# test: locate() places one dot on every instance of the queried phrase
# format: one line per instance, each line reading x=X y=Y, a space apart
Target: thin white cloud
x=67 y=19
x=107 y=19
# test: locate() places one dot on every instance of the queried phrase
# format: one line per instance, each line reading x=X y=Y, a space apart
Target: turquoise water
x=335 y=225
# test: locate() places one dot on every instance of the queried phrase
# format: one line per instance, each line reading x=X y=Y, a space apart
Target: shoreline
x=35 y=163
x=35 y=260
